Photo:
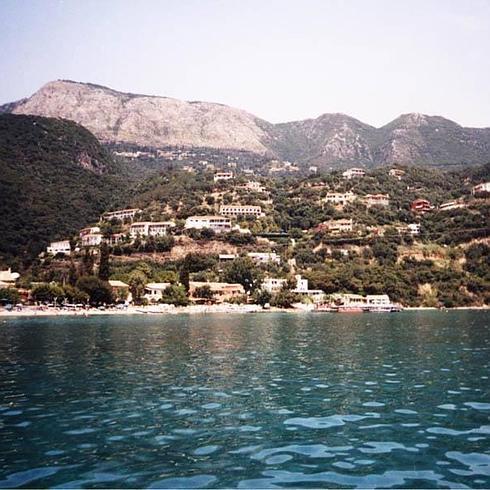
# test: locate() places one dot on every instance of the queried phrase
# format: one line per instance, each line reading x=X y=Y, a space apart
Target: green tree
x=243 y=271
x=99 y=292
x=104 y=268
x=175 y=294
x=9 y=295
x=137 y=283
x=204 y=292
x=47 y=293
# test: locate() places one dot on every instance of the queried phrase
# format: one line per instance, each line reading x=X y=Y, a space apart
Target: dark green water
x=250 y=401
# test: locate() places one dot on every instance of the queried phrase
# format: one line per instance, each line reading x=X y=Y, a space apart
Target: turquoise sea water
x=250 y=401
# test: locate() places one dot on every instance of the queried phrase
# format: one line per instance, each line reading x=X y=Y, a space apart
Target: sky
x=281 y=60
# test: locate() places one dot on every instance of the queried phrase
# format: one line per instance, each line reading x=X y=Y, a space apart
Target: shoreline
x=35 y=311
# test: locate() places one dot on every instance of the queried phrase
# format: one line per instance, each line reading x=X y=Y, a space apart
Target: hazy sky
x=281 y=60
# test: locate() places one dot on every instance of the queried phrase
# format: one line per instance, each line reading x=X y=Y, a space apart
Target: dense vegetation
x=55 y=177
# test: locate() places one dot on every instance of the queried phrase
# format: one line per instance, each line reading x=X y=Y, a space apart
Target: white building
x=481 y=188
x=8 y=278
x=154 y=291
x=397 y=173
x=60 y=247
x=273 y=284
x=223 y=176
x=414 y=228
x=89 y=230
x=150 y=228
x=235 y=210
x=217 y=223
x=265 y=257
x=447 y=206
x=91 y=239
x=317 y=295
x=120 y=214
x=252 y=186
x=378 y=300
x=339 y=198
x=376 y=200
x=336 y=226
x=352 y=173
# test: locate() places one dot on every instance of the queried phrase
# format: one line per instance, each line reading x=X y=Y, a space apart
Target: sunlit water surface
x=250 y=401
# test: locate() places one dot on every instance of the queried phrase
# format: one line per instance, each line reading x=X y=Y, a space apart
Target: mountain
x=55 y=177
x=331 y=140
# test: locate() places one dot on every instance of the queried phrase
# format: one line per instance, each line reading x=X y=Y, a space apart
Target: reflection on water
x=275 y=400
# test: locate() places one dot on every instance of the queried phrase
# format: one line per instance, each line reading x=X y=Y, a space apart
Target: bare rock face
x=144 y=120
x=329 y=141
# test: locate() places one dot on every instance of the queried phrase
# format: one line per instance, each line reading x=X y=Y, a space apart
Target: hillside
x=55 y=176
x=329 y=141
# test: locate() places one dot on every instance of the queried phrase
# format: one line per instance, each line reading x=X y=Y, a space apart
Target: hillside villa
x=150 y=228
x=236 y=210
x=89 y=230
x=223 y=176
x=376 y=200
x=91 y=239
x=120 y=214
x=353 y=173
x=265 y=257
x=397 y=173
x=479 y=189
x=336 y=226
x=218 y=224
x=252 y=187
x=447 y=206
x=339 y=198
x=59 y=247
x=421 y=206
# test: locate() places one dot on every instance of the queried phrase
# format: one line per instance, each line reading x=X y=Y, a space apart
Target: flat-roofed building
x=336 y=226
x=339 y=198
x=397 y=173
x=89 y=230
x=316 y=295
x=273 y=284
x=252 y=186
x=223 y=176
x=421 y=206
x=479 y=189
x=237 y=210
x=378 y=300
x=265 y=257
x=218 y=224
x=221 y=291
x=353 y=173
x=59 y=247
x=150 y=228
x=376 y=200
x=447 y=206
x=120 y=214
x=91 y=239
x=8 y=278
x=154 y=291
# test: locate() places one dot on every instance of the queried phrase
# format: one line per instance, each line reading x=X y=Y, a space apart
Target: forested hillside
x=54 y=177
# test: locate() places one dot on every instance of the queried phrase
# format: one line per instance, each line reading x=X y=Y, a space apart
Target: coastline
x=35 y=311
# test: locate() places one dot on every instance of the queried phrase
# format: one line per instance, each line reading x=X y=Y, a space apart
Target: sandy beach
x=39 y=311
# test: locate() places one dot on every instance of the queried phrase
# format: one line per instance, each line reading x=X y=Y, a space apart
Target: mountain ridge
x=328 y=141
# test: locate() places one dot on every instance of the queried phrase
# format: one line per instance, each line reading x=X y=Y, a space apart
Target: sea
x=258 y=400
